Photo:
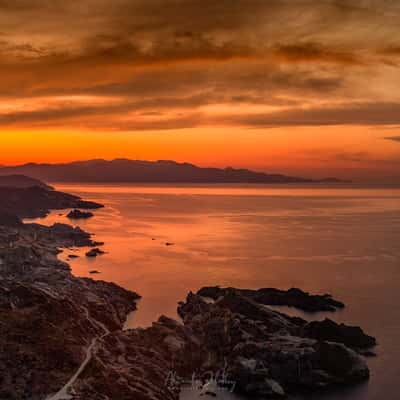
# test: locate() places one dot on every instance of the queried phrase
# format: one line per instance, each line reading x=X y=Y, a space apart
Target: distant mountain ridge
x=137 y=171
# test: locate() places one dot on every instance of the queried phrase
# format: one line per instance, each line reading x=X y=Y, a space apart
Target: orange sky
x=216 y=83
x=286 y=150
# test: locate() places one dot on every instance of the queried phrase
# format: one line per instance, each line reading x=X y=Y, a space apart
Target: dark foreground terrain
x=61 y=337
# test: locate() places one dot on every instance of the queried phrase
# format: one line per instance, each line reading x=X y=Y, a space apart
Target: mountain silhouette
x=131 y=171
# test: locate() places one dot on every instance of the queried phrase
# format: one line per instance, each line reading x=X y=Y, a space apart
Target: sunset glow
x=204 y=82
x=199 y=199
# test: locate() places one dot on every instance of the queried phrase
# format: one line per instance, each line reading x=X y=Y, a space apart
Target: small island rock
x=78 y=214
x=94 y=252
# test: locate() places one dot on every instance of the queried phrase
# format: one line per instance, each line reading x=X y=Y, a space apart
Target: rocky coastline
x=62 y=337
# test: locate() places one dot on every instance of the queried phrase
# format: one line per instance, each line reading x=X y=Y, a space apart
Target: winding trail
x=63 y=393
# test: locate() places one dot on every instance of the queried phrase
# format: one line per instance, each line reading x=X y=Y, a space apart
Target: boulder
x=94 y=252
x=78 y=214
x=293 y=297
x=328 y=330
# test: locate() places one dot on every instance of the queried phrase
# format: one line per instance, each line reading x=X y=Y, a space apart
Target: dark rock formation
x=274 y=297
x=48 y=318
x=78 y=214
x=130 y=365
x=351 y=336
x=65 y=235
x=267 y=353
x=36 y=201
x=73 y=256
x=94 y=252
x=259 y=350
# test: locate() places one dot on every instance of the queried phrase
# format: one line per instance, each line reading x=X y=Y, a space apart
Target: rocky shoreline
x=259 y=351
x=62 y=337
x=48 y=317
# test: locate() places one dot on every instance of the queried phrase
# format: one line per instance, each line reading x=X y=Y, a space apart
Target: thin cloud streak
x=393 y=138
x=136 y=116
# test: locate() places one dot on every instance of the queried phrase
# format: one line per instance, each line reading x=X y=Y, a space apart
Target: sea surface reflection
x=341 y=240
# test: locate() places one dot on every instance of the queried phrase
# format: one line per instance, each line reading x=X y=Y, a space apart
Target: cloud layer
x=155 y=64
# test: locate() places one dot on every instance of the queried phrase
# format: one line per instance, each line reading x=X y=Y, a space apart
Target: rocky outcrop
x=128 y=365
x=36 y=201
x=48 y=317
x=94 y=252
x=65 y=235
x=249 y=346
x=275 y=297
x=141 y=364
x=267 y=353
x=78 y=214
x=46 y=328
x=351 y=336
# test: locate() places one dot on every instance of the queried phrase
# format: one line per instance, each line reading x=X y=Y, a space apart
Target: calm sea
x=342 y=240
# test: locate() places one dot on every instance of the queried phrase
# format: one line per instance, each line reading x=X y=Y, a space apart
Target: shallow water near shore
x=342 y=240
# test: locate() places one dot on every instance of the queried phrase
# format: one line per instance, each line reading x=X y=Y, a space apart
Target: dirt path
x=63 y=393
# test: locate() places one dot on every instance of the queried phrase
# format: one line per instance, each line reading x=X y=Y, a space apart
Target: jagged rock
x=74 y=234
x=275 y=297
x=265 y=351
x=48 y=317
x=126 y=366
x=94 y=252
x=352 y=336
x=46 y=327
x=36 y=201
x=78 y=214
x=341 y=362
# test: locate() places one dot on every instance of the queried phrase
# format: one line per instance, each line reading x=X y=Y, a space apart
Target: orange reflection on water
x=245 y=236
